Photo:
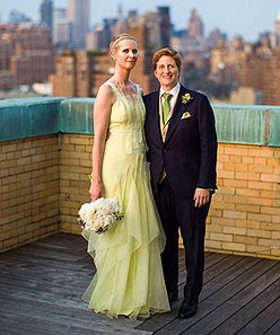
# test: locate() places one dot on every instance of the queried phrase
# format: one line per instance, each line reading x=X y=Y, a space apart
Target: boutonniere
x=186 y=115
x=186 y=98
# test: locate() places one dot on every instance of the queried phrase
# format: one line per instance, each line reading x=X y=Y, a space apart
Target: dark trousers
x=180 y=213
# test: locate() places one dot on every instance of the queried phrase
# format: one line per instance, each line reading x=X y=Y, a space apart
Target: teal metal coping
x=23 y=118
x=28 y=117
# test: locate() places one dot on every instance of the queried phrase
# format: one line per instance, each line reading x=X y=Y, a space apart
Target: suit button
x=164 y=150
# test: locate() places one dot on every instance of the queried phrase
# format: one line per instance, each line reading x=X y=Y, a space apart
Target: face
x=167 y=72
x=126 y=54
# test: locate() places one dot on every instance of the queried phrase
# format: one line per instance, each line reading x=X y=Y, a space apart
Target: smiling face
x=125 y=54
x=167 y=72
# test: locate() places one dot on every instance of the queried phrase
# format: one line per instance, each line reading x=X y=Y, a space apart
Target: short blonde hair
x=167 y=52
x=118 y=39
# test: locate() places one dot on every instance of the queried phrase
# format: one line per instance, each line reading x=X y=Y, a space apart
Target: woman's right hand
x=96 y=190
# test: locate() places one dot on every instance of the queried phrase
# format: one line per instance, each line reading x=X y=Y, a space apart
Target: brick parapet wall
x=75 y=165
x=44 y=181
x=245 y=212
x=29 y=190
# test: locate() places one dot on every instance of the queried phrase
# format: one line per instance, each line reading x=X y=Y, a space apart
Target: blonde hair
x=119 y=38
x=167 y=52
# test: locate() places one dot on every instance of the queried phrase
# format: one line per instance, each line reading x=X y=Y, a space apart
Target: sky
x=234 y=17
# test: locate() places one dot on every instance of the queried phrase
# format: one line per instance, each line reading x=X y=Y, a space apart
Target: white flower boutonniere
x=186 y=98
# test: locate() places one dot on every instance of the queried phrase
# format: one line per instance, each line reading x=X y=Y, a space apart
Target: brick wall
x=44 y=181
x=245 y=212
x=29 y=189
x=75 y=165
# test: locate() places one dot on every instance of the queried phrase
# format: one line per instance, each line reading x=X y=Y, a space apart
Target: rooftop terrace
x=41 y=285
x=45 y=155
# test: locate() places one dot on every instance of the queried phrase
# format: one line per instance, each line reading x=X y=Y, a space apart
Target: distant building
x=214 y=37
x=241 y=96
x=78 y=12
x=163 y=14
x=27 y=53
x=99 y=38
x=195 y=26
x=62 y=29
x=64 y=34
x=260 y=70
x=119 y=26
x=224 y=60
x=18 y=17
x=80 y=73
x=6 y=80
x=178 y=41
x=150 y=38
x=143 y=72
x=275 y=36
x=46 y=11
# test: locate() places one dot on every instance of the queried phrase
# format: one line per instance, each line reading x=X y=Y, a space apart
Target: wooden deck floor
x=41 y=284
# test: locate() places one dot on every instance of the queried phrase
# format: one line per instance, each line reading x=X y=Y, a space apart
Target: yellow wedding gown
x=129 y=279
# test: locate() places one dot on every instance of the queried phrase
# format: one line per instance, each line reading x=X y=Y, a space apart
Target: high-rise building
x=119 y=26
x=18 y=17
x=59 y=14
x=80 y=73
x=78 y=13
x=143 y=71
x=99 y=38
x=195 y=26
x=165 y=25
x=6 y=76
x=275 y=36
x=27 y=53
x=46 y=11
x=260 y=69
x=153 y=39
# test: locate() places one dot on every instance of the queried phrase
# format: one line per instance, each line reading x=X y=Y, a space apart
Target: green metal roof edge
x=22 y=118
x=29 y=117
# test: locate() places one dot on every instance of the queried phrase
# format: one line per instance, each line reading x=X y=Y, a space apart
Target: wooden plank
x=41 y=286
x=211 y=261
x=266 y=322
x=274 y=330
x=229 y=274
x=222 y=288
x=264 y=298
x=216 y=308
x=48 y=313
x=54 y=327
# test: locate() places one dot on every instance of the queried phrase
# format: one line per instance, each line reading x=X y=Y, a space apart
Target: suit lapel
x=178 y=110
x=155 y=117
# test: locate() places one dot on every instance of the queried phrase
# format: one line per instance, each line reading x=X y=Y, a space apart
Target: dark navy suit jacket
x=189 y=152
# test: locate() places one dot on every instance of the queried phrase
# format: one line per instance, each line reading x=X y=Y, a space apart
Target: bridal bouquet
x=100 y=215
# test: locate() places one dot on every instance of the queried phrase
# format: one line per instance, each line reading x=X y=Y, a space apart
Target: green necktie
x=166 y=106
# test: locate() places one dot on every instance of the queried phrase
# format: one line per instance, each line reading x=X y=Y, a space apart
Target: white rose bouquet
x=100 y=215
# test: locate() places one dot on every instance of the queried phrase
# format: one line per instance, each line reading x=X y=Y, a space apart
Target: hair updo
x=119 y=38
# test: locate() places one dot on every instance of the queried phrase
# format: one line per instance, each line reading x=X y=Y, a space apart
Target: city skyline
x=253 y=17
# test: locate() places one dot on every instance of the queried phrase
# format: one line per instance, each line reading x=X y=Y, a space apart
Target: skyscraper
x=165 y=25
x=46 y=10
x=78 y=14
x=276 y=32
x=195 y=26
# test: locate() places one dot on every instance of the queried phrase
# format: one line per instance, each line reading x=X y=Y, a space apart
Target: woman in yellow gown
x=129 y=280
